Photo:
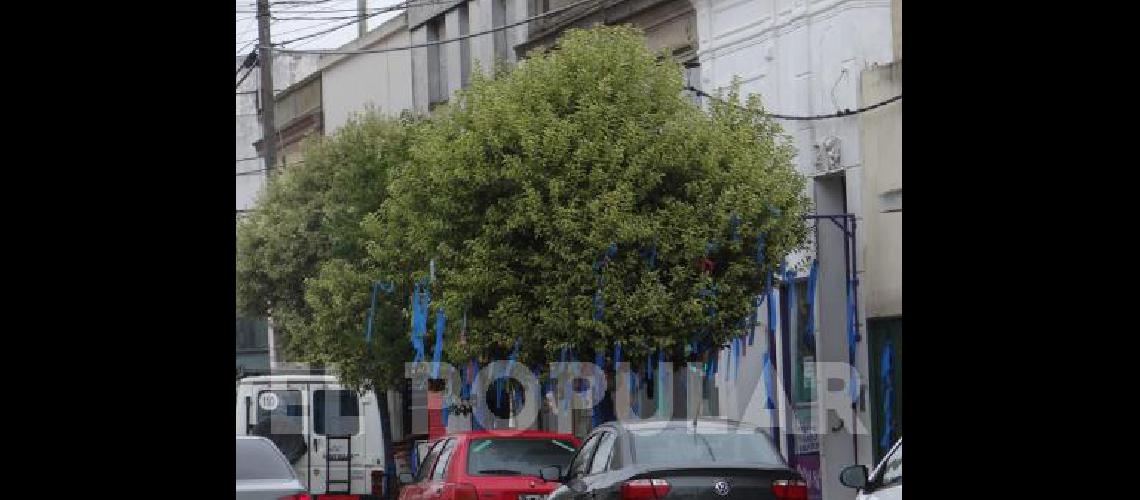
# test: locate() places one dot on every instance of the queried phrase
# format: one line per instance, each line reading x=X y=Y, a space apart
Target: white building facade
x=808 y=58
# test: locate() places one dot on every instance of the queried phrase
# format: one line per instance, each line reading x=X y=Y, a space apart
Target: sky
x=320 y=15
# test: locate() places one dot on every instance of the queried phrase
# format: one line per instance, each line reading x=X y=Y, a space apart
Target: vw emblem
x=721 y=487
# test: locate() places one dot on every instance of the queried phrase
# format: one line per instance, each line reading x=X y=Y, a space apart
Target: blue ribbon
x=440 y=324
x=852 y=339
x=635 y=401
x=769 y=388
x=772 y=309
x=736 y=346
x=887 y=374
x=414 y=462
x=650 y=255
x=420 y=301
x=376 y=288
x=813 y=275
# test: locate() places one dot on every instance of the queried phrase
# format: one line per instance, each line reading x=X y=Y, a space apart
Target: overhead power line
x=438 y=42
x=355 y=20
x=243 y=77
x=401 y=5
x=840 y=114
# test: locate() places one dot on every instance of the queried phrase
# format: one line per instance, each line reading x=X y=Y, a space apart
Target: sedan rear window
x=259 y=459
x=682 y=445
x=516 y=457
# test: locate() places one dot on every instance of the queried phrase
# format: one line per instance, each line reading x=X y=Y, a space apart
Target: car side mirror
x=407 y=478
x=550 y=473
x=854 y=476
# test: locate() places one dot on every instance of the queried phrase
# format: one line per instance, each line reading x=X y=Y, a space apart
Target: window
x=684 y=445
x=892 y=469
x=804 y=354
x=258 y=459
x=252 y=333
x=428 y=461
x=508 y=456
x=336 y=413
x=444 y=459
x=279 y=412
x=581 y=460
x=801 y=351
x=602 y=457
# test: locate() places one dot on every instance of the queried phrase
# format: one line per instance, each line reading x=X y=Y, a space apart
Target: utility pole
x=362 y=11
x=265 y=57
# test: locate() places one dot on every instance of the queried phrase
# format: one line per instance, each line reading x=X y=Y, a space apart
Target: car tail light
x=644 y=489
x=790 y=489
x=378 y=482
x=464 y=491
x=299 y=496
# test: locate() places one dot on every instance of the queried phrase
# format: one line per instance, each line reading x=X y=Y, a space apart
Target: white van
x=329 y=433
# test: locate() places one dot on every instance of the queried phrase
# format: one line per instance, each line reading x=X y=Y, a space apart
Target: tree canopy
x=576 y=201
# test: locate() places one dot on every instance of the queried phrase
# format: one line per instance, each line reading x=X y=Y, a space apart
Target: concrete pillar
x=452 y=53
x=482 y=47
x=420 y=89
x=517 y=10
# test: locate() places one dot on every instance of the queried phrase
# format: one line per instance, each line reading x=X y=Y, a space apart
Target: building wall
x=896 y=27
x=482 y=51
x=669 y=24
x=805 y=57
x=881 y=143
x=383 y=81
x=252 y=342
x=287 y=70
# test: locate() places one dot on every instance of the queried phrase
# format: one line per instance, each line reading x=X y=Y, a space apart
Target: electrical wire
x=401 y=5
x=356 y=19
x=840 y=114
x=243 y=77
x=438 y=42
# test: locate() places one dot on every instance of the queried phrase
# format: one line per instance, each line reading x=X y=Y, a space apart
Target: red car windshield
x=516 y=457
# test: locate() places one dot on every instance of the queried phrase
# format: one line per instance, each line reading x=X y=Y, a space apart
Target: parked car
x=487 y=465
x=263 y=473
x=677 y=459
x=884 y=483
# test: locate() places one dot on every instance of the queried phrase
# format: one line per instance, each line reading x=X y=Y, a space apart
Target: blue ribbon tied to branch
x=420 y=300
x=437 y=354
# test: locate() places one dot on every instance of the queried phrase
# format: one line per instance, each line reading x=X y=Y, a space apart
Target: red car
x=484 y=465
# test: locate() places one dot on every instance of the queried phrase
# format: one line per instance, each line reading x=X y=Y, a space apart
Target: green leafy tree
x=519 y=187
x=308 y=216
x=301 y=256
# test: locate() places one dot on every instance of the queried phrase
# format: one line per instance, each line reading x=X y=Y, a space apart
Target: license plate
x=532 y=497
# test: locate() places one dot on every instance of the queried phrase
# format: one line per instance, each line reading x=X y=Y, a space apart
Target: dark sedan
x=677 y=460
